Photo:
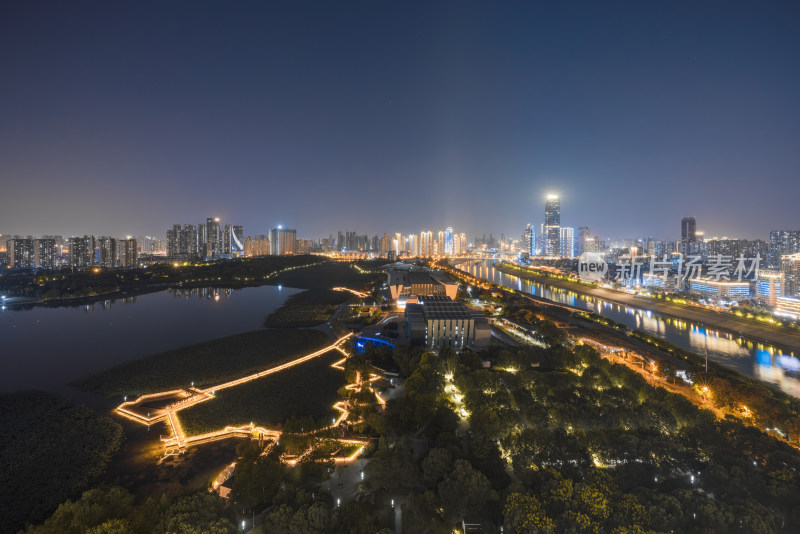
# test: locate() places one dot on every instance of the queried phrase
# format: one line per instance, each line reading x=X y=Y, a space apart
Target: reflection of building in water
x=716 y=342
x=651 y=323
x=773 y=368
x=105 y=305
x=208 y=293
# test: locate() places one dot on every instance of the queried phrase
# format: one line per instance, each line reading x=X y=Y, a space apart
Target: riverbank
x=782 y=338
x=58 y=288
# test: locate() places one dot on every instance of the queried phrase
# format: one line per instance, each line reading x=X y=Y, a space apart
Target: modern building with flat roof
x=769 y=286
x=788 y=307
x=790 y=266
x=436 y=322
x=720 y=288
x=415 y=282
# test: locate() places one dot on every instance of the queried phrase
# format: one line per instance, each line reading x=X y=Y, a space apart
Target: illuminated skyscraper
x=81 y=251
x=688 y=235
x=282 y=241
x=45 y=252
x=584 y=237
x=426 y=243
x=213 y=241
x=128 y=253
x=106 y=251
x=552 y=223
x=448 y=241
x=529 y=240
x=790 y=266
x=21 y=253
x=567 y=242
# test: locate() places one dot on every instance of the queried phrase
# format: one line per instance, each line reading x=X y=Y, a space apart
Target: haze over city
x=125 y=119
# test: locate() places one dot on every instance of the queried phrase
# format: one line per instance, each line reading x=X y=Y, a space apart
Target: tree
x=524 y=514
x=94 y=508
x=463 y=490
x=435 y=465
x=112 y=526
x=201 y=513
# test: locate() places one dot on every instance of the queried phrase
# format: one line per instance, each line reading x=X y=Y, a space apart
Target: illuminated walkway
x=179 y=399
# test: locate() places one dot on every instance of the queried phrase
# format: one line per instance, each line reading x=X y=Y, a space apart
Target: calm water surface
x=45 y=348
x=760 y=361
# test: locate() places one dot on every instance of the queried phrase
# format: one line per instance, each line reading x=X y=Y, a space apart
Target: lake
x=45 y=348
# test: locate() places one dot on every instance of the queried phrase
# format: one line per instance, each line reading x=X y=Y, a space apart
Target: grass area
x=332 y=274
x=309 y=308
x=205 y=364
x=309 y=389
x=50 y=451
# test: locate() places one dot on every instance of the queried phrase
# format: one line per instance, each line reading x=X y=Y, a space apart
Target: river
x=764 y=362
x=45 y=348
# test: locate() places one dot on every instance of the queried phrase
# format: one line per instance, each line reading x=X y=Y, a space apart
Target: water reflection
x=765 y=363
x=207 y=293
x=46 y=347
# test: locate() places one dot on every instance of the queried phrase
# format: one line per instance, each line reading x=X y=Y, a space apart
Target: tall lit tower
x=552 y=226
x=448 y=241
x=213 y=241
x=688 y=229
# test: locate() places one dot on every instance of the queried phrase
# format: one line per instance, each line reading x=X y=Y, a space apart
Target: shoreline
x=732 y=325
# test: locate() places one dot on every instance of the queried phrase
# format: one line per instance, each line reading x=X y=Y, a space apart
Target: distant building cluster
x=53 y=252
x=554 y=240
x=208 y=241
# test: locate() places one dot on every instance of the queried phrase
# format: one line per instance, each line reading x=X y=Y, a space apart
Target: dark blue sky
x=399 y=116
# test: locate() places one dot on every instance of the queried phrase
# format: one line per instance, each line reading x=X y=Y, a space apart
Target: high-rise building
x=282 y=241
x=128 y=253
x=529 y=240
x=688 y=230
x=551 y=231
x=183 y=242
x=426 y=243
x=448 y=241
x=21 y=253
x=413 y=245
x=226 y=240
x=386 y=244
x=173 y=241
x=769 y=286
x=81 y=252
x=189 y=245
x=584 y=235
x=213 y=238
x=567 y=242
x=782 y=242
x=461 y=244
x=45 y=253
x=790 y=267
x=256 y=246
x=440 y=244
x=106 y=251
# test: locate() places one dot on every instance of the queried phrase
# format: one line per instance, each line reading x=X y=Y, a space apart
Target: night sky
x=399 y=116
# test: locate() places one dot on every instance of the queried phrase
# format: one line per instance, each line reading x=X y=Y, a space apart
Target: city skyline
x=635 y=117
